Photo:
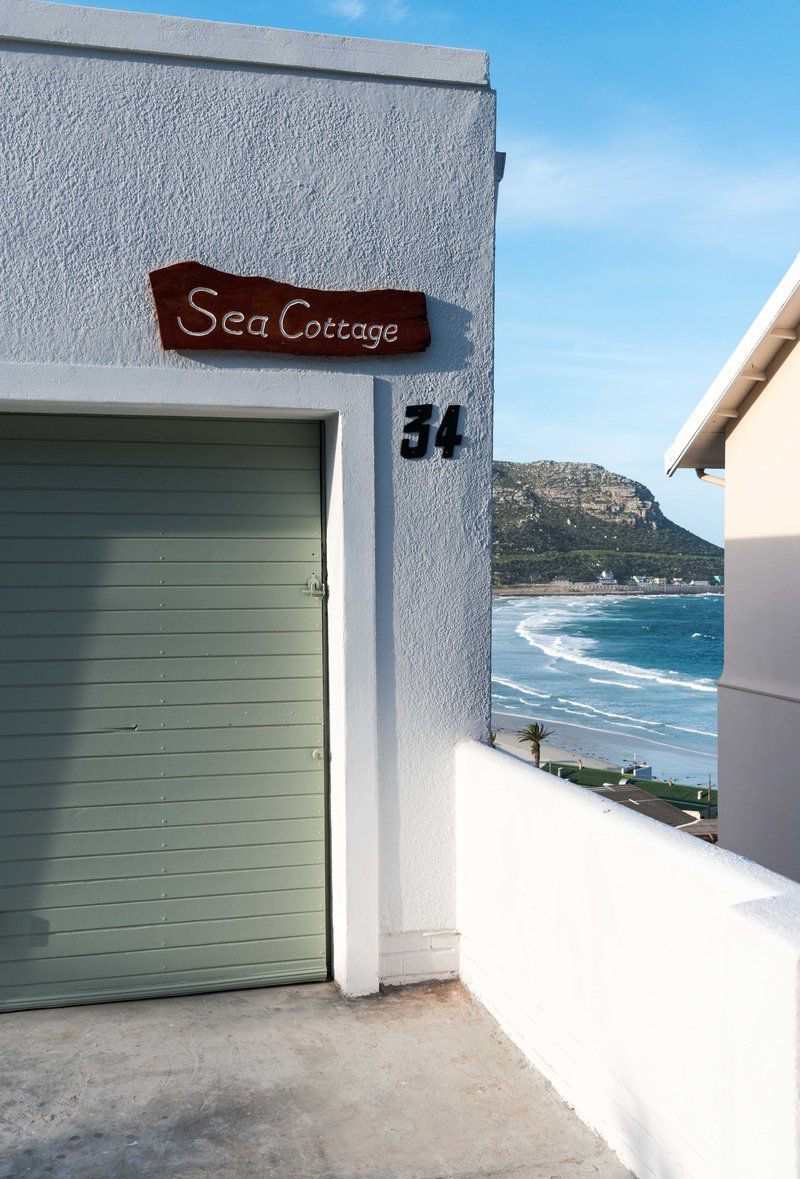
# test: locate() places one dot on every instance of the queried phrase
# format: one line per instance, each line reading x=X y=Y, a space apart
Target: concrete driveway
x=290 y=1083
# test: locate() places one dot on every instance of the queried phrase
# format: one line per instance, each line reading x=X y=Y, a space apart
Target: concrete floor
x=283 y=1083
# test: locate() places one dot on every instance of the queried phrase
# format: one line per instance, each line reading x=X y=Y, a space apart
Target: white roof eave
x=701 y=440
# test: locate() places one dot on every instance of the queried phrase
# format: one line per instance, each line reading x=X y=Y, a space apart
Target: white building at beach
x=747 y=424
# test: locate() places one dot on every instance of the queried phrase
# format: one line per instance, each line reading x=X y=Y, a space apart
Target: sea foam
x=575 y=649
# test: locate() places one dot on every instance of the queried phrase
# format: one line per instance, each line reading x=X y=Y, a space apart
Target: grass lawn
x=680 y=796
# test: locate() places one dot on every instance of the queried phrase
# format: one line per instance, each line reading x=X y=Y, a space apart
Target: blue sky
x=651 y=202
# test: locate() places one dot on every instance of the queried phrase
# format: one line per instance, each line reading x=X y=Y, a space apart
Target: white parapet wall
x=651 y=977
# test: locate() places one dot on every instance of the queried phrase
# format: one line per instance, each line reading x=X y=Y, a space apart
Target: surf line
x=640 y=741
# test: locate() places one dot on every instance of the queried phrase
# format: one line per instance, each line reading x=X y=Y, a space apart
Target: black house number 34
x=417 y=431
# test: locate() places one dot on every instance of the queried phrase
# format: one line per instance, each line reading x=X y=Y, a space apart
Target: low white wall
x=651 y=977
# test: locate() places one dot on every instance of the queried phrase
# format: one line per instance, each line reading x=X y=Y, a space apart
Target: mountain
x=571 y=520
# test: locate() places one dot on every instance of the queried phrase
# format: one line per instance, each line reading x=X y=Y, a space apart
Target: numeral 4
x=447 y=436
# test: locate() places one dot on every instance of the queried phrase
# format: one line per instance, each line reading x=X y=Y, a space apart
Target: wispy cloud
x=349 y=9
x=649 y=181
x=581 y=347
x=393 y=11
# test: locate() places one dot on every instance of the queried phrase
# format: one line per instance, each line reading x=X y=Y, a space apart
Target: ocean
x=618 y=678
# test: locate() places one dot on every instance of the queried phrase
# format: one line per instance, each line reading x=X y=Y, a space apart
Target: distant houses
x=644 y=581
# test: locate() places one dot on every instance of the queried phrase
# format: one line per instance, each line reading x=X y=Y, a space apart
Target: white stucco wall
x=120 y=160
x=652 y=977
x=759 y=692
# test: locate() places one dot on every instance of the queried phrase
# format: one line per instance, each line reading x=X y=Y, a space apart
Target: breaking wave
x=576 y=648
x=517 y=687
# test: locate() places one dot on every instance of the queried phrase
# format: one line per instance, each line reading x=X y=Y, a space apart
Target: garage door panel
x=165 y=983
x=162 y=786
x=156 y=718
x=175 y=673
x=201 y=549
x=121 y=965
x=93 y=600
x=68 y=769
x=190 y=502
x=76 y=696
x=210 y=574
x=91 y=650
x=131 y=622
x=102 y=525
x=185 y=431
x=50 y=920
x=165 y=743
x=46 y=871
x=272 y=887
x=18 y=476
x=123 y=815
x=218 y=787
x=42 y=945
x=133 y=454
x=156 y=839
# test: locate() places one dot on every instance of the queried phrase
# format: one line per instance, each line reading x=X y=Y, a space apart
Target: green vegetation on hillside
x=572 y=520
x=586 y=565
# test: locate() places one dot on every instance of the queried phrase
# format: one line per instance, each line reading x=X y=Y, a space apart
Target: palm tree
x=533 y=735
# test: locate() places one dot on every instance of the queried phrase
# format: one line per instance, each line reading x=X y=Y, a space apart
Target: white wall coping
x=166 y=36
x=738 y=877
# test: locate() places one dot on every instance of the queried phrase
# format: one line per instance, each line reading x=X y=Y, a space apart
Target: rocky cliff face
x=573 y=519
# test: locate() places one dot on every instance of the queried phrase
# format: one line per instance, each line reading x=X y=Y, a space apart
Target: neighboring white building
x=131 y=143
x=748 y=423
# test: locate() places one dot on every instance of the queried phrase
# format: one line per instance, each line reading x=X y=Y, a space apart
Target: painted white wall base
x=419 y=956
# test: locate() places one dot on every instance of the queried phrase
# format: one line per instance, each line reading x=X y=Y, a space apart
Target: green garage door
x=162 y=781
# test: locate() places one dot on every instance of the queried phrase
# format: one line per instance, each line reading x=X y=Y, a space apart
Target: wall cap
x=73 y=27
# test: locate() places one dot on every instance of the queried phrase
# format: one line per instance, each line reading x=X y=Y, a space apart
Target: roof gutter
x=703 y=474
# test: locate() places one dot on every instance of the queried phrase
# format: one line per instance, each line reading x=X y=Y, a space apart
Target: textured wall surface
x=117 y=163
x=651 y=977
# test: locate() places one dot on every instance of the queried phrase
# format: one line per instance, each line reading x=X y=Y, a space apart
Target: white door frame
x=345 y=403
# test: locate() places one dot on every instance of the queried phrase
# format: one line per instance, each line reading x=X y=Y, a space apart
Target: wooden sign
x=199 y=307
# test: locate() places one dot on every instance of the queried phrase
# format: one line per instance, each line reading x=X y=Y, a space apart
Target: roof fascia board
x=733 y=383
x=69 y=26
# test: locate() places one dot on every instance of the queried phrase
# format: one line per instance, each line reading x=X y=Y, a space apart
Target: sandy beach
x=598 y=748
x=508 y=740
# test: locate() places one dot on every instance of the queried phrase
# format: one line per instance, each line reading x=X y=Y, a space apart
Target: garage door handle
x=314 y=587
